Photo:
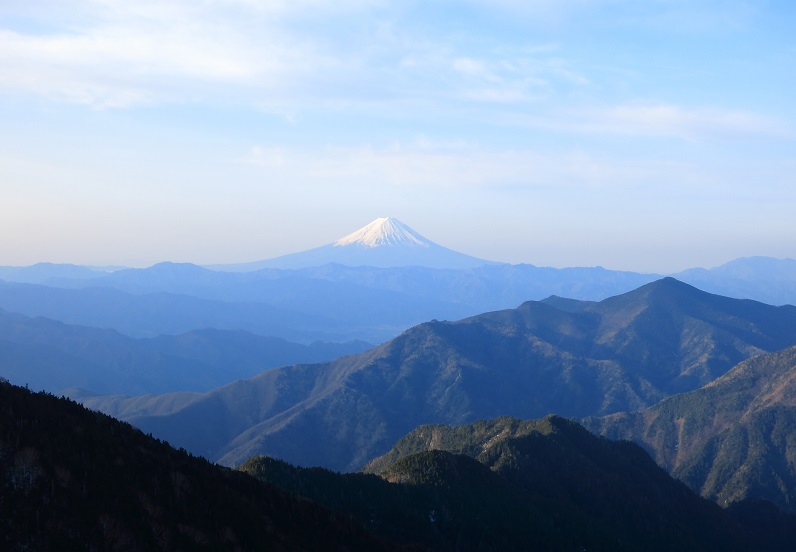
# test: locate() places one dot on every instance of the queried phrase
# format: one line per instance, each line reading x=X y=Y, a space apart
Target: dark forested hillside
x=511 y=485
x=71 y=479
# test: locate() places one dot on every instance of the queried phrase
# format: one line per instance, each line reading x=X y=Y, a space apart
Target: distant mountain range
x=48 y=272
x=370 y=285
x=764 y=279
x=329 y=303
x=621 y=354
x=62 y=358
x=150 y=314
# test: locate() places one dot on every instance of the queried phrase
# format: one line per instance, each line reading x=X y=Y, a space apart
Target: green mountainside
x=71 y=479
x=730 y=440
x=621 y=354
x=506 y=484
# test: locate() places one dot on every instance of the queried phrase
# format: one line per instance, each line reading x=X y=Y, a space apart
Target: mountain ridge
x=518 y=485
x=73 y=479
x=623 y=353
x=59 y=357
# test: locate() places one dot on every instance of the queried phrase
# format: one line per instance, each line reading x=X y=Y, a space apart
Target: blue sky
x=647 y=135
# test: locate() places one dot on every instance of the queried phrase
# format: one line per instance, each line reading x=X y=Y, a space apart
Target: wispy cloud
x=688 y=124
x=114 y=67
x=670 y=15
x=501 y=80
x=277 y=56
x=114 y=54
x=684 y=123
x=121 y=54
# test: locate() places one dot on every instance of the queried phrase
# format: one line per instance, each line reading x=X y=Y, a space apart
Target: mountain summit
x=386 y=231
x=622 y=354
x=385 y=242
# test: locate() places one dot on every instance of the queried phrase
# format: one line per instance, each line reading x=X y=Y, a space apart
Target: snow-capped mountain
x=385 y=242
x=382 y=232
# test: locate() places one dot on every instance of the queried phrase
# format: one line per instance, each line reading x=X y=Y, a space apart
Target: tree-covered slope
x=71 y=479
x=730 y=440
x=621 y=354
x=506 y=484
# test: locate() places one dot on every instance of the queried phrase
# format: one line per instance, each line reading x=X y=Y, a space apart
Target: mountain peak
x=385 y=242
x=385 y=231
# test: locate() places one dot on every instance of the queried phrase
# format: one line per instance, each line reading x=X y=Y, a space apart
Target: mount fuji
x=386 y=242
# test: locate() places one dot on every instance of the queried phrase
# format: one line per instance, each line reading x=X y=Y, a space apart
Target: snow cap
x=385 y=231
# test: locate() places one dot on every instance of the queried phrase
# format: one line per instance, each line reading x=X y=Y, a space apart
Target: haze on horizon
x=646 y=136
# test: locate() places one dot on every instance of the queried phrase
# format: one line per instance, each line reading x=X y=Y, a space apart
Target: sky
x=644 y=135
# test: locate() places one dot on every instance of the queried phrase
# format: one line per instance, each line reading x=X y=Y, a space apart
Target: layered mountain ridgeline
x=167 y=300
x=487 y=287
x=42 y=273
x=730 y=440
x=621 y=354
x=71 y=479
x=506 y=484
x=56 y=357
x=331 y=302
x=336 y=293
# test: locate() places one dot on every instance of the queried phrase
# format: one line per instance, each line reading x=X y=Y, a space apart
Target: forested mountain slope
x=730 y=440
x=621 y=354
x=71 y=479
x=512 y=485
